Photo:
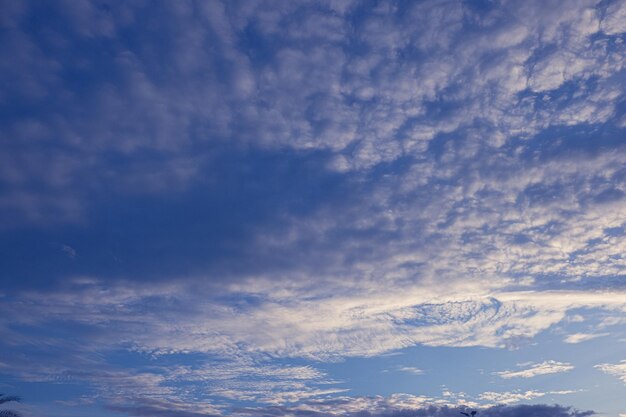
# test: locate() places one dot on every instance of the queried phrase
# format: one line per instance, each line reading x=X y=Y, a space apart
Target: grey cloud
x=440 y=146
x=146 y=411
x=618 y=369
x=310 y=91
x=158 y=408
x=538 y=410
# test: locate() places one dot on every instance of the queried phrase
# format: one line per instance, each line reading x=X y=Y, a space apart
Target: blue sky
x=313 y=208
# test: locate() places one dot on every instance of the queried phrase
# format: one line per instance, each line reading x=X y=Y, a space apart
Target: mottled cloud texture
x=210 y=206
x=431 y=411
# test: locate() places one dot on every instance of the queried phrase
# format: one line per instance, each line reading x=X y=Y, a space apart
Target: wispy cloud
x=544 y=368
x=255 y=191
x=69 y=251
x=418 y=407
x=411 y=370
x=615 y=369
x=517 y=396
x=147 y=407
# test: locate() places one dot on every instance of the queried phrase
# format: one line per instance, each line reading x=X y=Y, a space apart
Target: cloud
x=310 y=90
x=243 y=379
x=613 y=22
x=583 y=337
x=318 y=104
x=616 y=369
x=548 y=410
x=517 y=396
x=376 y=406
x=339 y=322
x=165 y=409
x=544 y=368
x=235 y=353
x=254 y=183
x=69 y=251
x=145 y=411
x=411 y=370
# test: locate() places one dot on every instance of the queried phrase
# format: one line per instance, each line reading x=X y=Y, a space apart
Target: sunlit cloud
x=615 y=369
x=517 y=396
x=583 y=337
x=532 y=370
x=220 y=208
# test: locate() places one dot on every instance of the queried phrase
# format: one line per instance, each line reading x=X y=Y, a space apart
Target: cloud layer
x=544 y=368
x=333 y=408
x=206 y=206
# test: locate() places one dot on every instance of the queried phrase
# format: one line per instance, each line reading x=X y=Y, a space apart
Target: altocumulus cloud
x=505 y=411
x=217 y=189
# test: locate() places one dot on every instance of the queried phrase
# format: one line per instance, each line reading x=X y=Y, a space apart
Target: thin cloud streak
x=544 y=368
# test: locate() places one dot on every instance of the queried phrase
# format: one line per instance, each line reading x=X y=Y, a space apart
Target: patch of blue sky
x=472 y=371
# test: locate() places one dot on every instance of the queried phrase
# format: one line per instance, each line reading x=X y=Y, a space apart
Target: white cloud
x=513 y=397
x=510 y=397
x=495 y=228
x=331 y=324
x=615 y=16
x=544 y=368
x=411 y=370
x=315 y=94
x=583 y=337
x=616 y=369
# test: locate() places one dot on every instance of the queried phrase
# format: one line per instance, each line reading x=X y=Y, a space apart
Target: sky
x=313 y=208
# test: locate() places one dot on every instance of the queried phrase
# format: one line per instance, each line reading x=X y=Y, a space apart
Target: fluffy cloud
x=384 y=407
x=301 y=86
x=464 y=126
x=256 y=182
x=517 y=396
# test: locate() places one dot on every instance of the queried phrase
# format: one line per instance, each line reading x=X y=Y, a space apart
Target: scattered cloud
x=583 y=337
x=255 y=186
x=517 y=396
x=378 y=406
x=156 y=408
x=411 y=370
x=616 y=369
x=544 y=368
x=69 y=251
